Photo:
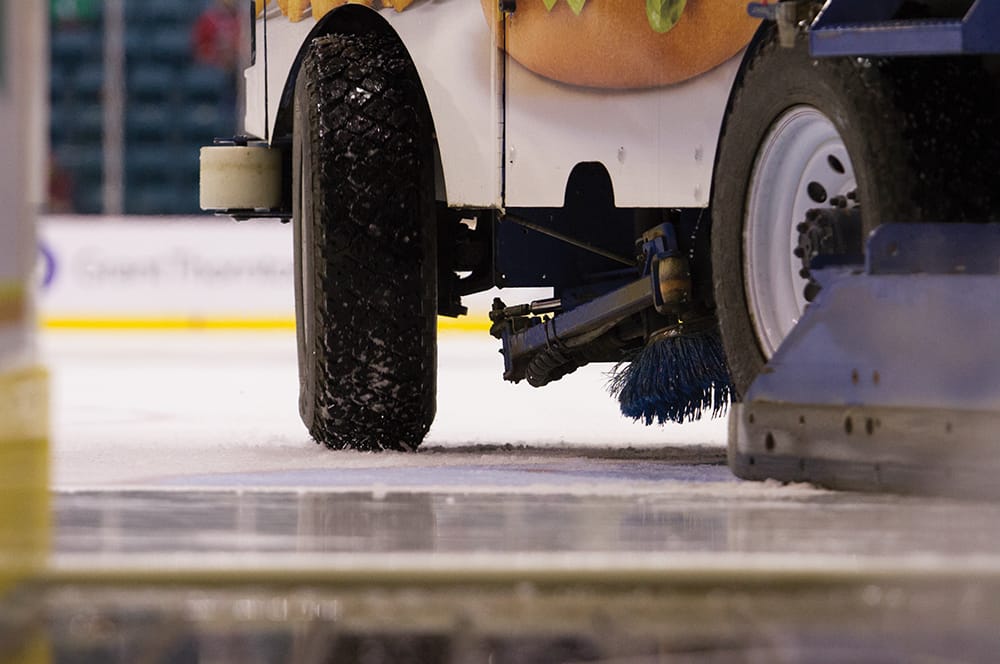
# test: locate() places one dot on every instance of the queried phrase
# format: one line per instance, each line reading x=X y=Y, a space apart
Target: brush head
x=674 y=378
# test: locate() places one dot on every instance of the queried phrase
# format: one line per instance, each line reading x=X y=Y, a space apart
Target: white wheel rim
x=802 y=150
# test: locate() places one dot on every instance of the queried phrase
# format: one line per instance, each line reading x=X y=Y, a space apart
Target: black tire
x=365 y=245
x=920 y=133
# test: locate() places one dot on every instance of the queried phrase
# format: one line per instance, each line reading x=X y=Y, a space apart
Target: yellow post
x=24 y=508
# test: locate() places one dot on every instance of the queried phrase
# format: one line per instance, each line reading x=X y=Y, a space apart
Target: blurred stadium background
x=136 y=87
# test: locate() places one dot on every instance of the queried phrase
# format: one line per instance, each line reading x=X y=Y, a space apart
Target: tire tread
x=375 y=351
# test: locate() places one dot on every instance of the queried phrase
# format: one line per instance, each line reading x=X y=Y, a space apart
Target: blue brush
x=676 y=377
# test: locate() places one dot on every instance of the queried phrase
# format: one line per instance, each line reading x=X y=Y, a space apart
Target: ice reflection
x=812 y=523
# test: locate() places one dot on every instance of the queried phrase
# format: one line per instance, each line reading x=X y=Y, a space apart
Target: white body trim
x=658 y=145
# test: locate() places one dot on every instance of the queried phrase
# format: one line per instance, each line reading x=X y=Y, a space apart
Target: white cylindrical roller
x=236 y=177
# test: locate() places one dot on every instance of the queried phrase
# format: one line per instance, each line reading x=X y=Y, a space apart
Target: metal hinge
x=792 y=17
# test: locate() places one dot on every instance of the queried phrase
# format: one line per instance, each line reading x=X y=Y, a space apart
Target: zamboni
x=683 y=174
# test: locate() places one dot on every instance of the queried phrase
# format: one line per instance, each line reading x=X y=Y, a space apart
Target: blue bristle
x=674 y=379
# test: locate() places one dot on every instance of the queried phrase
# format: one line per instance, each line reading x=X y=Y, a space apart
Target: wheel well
x=765 y=29
x=590 y=198
x=358 y=19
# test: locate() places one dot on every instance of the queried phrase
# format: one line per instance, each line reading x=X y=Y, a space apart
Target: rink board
x=178 y=273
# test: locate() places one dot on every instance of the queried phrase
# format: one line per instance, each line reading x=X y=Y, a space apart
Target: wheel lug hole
x=817 y=192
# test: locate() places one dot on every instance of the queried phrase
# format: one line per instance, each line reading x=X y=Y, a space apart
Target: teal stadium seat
x=153 y=13
x=202 y=84
x=84 y=165
x=87 y=125
x=168 y=45
x=74 y=45
x=147 y=163
x=203 y=123
x=173 y=106
x=87 y=83
x=150 y=83
x=147 y=122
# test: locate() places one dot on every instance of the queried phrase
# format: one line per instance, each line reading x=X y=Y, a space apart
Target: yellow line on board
x=445 y=325
x=162 y=324
x=464 y=324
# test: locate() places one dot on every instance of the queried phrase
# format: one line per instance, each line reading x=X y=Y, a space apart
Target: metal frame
x=867 y=28
x=890 y=380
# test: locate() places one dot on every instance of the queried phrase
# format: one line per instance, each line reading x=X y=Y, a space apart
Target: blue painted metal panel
x=888 y=38
x=934 y=249
x=916 y=330
x=982 y=27
x=860 y=28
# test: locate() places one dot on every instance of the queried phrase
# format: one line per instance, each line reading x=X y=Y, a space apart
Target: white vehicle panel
x=254 y=115
x=458 y=65
x=657 y=144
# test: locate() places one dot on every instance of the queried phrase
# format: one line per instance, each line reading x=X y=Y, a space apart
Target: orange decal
x=293 y=9
x=623 y=43
x=321 y=7
x=398 y=5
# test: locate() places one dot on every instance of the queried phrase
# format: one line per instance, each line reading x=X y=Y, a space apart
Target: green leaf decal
x=664 y=14
x=576 y=5
x=549 y=4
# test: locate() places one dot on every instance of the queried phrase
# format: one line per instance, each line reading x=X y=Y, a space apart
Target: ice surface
x=207 y=423
x=133 y=408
